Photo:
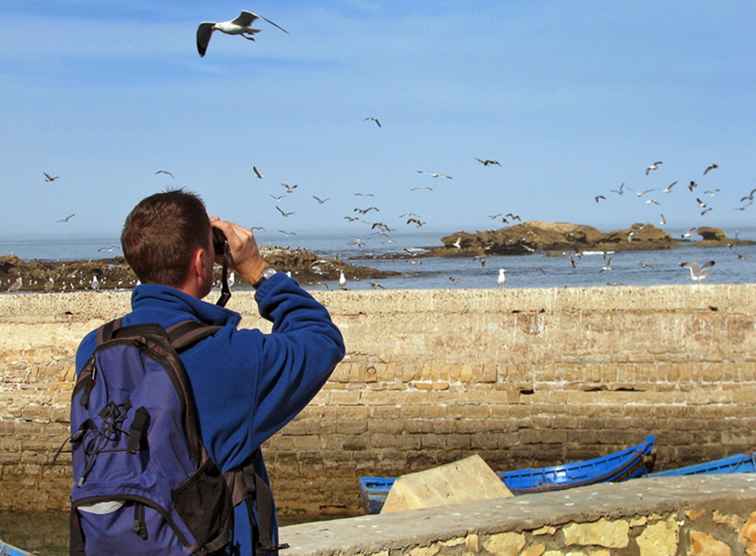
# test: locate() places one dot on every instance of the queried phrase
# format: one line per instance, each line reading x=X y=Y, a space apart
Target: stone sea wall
x=691 y=516
x=521 y=377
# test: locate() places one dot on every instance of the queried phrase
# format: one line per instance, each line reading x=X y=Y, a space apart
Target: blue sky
x=572 y=98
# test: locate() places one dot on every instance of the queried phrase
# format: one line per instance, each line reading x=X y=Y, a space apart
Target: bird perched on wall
x=698 y=272
x=501 y=280
x=240 y=26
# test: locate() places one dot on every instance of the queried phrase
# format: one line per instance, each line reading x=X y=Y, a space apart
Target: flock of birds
x=243 y=26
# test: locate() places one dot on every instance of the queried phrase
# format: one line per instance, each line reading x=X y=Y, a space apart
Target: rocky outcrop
x=41 y=275
x=529 y=237
x=709 y=233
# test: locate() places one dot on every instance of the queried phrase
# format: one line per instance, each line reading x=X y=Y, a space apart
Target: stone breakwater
x=692 y=516
x=521 y=377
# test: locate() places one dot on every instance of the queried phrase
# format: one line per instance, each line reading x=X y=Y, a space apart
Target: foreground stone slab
x=651 y=517
x=466 y=480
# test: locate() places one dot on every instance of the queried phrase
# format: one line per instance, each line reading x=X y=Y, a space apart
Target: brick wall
x=521 y=377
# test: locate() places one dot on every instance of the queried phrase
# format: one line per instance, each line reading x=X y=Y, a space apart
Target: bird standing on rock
x=502 y=278
x=342 y=280
x=240 y=26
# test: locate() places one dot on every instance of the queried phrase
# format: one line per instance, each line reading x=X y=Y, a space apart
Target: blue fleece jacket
x=247 y=385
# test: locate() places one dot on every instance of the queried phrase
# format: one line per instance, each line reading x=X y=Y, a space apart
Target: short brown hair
x=161 y=234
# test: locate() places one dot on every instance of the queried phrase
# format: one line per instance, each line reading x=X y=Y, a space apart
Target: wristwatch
x=267 y=273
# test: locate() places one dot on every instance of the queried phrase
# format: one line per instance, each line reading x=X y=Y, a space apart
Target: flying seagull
x=668 y=189
x=373 y=119
x=67 y=218
x=416 y=221
x=435 y=174
x=712 y=192
x=239 y=26
x=701 y=204
x=166 y=172
x=653 y=166
x=382 y=228
x=277 y=197
x=284 y=232
x=284 y=213
x=704 y=211
x=352 y=218
x=620 y=190
x=692 y=185
x=710 y=167
x=645 y=192
x=364 y=194
x=288 y=187
x=257 y=172
x=650 y=201
x=426 y=188
x=458 y=243
x=49 y=178
x=598 y=198
x=321 y=201
x=488 y=162
x=698 y=272
x=367 y=210
x=663 y=220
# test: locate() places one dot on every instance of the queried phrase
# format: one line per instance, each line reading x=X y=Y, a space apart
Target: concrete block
x=462 y=481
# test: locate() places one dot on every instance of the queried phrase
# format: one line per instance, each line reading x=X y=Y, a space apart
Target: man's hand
x=245 y=256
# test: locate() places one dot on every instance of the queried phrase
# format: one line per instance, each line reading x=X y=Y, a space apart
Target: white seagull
x=502 y=278
x=239 y=26
x=653 y=166
x=698 y=272
x=342 y=280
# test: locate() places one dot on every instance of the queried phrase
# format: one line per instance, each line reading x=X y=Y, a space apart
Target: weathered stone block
x=611 y=534
x=659 y=539
x=705 y=544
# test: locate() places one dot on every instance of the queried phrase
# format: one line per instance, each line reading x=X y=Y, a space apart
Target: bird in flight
x=107 y=249
x=748 y=197
x=284 y=213
x=288 y=187
x=668 y=189
x=692 y=185
x=49 y=178
x=364 y=194
x=321 y=201
x=352 y=218
x=165 y=172
x=458 y=243
x=698 y=272
x=239 y=26
x=435 y=174
x=652 y=202
x=257 y=228
x=373 y=119
x=67 y=218
x=620 y=190
x=488 y=162
x=701 y=204
x=257 y=172
x=704 y=211
x=653 y=167
x=710 y=167
x=663 y=220
x=277 y=197
x=598 y=198
x=645 y=192
x=712 y=192
x=284 y=232
x=381 y=227
x=426 y=188
x=367 y=210
x=416 y=221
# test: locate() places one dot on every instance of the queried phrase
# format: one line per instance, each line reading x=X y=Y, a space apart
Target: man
x=246 y=385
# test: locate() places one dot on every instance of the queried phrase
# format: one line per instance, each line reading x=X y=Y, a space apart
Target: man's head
x=167 y=239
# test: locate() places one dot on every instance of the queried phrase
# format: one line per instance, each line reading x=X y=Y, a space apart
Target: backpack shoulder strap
x=185 y=334
x=106 y=332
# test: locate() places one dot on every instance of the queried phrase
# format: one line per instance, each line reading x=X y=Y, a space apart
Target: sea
x=638 y=268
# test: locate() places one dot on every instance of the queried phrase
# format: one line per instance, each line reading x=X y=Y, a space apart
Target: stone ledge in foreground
x=686 y=515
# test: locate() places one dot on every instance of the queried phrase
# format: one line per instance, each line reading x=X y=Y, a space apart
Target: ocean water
x=637 y=268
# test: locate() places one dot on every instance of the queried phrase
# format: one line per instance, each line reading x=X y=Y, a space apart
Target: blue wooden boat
x=739 y=463
x=635 y=461
x=10 y=550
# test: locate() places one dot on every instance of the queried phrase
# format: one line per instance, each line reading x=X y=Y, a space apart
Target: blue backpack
x=143 y=481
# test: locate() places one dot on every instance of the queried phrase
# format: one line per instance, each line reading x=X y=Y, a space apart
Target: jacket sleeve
x=297 y=357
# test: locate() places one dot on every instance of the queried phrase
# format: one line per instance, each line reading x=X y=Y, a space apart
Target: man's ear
x=199 y=262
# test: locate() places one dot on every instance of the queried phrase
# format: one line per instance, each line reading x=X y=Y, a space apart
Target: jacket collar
x=157 y=297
